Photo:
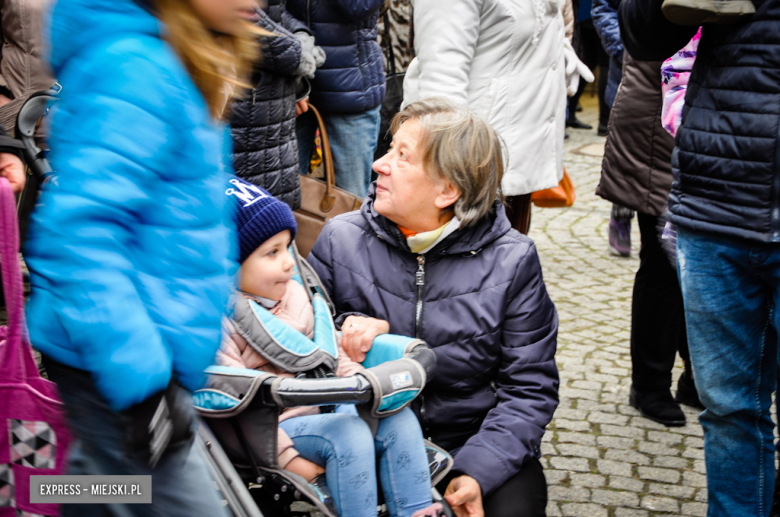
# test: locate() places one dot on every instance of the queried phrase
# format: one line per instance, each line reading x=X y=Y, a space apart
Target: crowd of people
x=178 y=142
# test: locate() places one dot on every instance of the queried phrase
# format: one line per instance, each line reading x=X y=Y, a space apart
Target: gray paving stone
x=571 y=494
x=676 y=491
x=555 y=477
x=570 y=464
x=583 y=510
x=617 y=468
x=578 y=451
x=670 y=462
x=629 y=512
x=660 y=504
x=658 y=474
x=614 y=498
x=615 y=442
x=587 y=480
x=657 y=449
x=628 y=432
x=697 y=509
x=622 y=483
x=627 y=457
x=694 y=479
x=582 y=439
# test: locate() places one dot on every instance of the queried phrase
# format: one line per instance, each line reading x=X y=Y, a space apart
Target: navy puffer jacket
x=486 y=314
x=726 y=165
x=352 y=79
x=265 y=150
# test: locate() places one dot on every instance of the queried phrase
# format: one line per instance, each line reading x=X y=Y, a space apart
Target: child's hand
x=304 y=468
x=12 y=168
x=358 y=333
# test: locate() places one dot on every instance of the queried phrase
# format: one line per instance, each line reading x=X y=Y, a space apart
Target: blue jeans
x=731 y=290
x=353 y=138
x=342 y=443
x=181 y=483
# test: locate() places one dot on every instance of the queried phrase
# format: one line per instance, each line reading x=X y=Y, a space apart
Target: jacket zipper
x=776 y=200
x=420 y=282
x=254 y=96
x=308 y=13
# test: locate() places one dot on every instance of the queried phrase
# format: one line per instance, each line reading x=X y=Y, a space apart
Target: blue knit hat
x=259 y=216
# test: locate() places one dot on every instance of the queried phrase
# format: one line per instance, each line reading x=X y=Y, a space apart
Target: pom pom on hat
x=259 y=216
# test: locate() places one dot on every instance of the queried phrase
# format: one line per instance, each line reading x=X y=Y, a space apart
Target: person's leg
x=181 y=481
x=728 y=305
x=353 y=139
x=523 y=495
x=604 y=109
x=403 y=464
x=305 y=129
x=343 y=444
x=620 y=230
x=518 y=210
x=656 y=319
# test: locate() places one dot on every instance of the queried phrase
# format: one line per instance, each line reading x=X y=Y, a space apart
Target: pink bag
x=34 y=436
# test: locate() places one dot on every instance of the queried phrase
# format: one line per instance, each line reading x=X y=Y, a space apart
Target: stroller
x=240 y=408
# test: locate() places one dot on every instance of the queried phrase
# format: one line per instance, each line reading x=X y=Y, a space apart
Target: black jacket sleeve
x=647 y=34
x=281 y=53
x=10 y=145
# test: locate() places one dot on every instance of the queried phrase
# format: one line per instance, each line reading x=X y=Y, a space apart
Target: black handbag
x=394 y=96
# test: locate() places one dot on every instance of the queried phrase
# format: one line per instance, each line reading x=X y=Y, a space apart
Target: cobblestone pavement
x=601 y=458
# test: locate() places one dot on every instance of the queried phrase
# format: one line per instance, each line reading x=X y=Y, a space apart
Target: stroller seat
x=241 y=409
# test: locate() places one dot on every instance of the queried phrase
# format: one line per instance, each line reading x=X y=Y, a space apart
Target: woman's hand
x=12 y=169
x=465 y=497
x=301 y=107
x=358 y=333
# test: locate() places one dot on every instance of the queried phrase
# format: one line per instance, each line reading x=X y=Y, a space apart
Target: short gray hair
x=462 y=148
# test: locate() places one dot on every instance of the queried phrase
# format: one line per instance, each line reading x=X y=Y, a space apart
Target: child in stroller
x=335 y=451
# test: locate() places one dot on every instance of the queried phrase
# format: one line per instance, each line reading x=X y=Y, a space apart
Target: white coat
x=505 y=60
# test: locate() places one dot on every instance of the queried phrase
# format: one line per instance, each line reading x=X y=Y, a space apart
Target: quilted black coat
x=479 y=300
x=726 y=166
x=265 y=150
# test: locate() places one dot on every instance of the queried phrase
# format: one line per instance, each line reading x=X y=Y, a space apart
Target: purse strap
x=13 y=356
x=328 y=199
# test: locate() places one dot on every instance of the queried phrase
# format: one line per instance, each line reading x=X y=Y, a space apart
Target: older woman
x=432 y=254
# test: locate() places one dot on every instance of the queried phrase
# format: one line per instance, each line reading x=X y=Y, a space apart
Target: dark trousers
x=592 y=53
x=523 y=495
x=657 y=315
x=518 y=211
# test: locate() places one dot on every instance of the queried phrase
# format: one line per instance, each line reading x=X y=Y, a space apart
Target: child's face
x=225 y=16
x=265 y=272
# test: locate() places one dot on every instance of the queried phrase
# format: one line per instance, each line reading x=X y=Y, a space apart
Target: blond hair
x=462 y=148
x=212 y=60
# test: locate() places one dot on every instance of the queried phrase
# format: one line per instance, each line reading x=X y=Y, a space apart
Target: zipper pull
x=420 y=276
x=254 y=96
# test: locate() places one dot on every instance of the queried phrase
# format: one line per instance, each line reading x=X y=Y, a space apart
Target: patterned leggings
x=342 y=443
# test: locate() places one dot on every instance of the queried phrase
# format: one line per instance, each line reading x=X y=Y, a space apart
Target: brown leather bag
x=320 y=200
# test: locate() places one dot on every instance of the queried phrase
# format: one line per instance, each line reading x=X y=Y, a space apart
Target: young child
x=312 y=443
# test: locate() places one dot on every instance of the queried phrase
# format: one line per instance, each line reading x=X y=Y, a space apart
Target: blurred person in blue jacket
x=129 y=247
x=347 y=89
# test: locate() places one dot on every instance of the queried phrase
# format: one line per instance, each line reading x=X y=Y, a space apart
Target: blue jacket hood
x=72 y=24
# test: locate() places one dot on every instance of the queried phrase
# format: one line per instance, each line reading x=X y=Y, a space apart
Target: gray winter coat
x=479 y=300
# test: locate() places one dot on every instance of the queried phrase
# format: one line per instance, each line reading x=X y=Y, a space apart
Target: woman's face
x=405 y=193
x=226 y=16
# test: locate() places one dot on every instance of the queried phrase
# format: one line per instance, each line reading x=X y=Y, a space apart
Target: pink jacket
x=296 y=311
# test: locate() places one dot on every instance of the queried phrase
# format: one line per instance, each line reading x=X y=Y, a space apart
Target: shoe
x=602 y=131
x=575 y=123
x=620 y=237
x=686 y=391
x=320 y=485
x=658 y=406
x=699 y=12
